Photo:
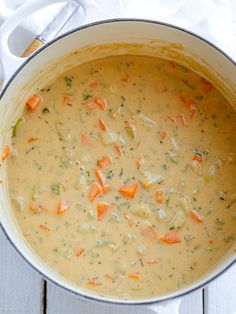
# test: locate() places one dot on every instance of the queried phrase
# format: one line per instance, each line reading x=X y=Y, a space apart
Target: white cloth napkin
x=212 y=19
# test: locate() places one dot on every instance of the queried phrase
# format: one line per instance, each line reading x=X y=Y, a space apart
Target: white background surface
x=23 y=290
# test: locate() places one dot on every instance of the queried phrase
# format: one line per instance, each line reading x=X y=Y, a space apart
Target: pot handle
x=168 y=307
x=10 y=62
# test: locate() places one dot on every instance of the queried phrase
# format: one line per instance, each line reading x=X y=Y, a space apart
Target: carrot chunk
x=198 y=218
x=95 y=191
x=198 y=157
x=62 y=206
x=149 y=232
x=44 y=228
x=67 y=100
x=182 y=119
x=93 y=84
x=172 y=65
x=206 y=86
x=129 y=190
x=102 y=210
x=79 y=250
x=125 y=79
x=35 y=208
x=162 y=135
x=6 y=152
x=85 y=140
x=152 y=261
x=130 y=222
x=109 y=277
x=135 y=276
x=32 y=139
x=170 y=238
x=101 y=102
x=118 y=149
x=105 y=162
x=160 y=196
x=190 y=105
x=102 y=180
x=102 y=125
x=33 y=102
x=94 y=282
x=91 y=106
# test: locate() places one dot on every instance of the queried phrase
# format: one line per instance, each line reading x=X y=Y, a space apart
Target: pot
x=85 y=43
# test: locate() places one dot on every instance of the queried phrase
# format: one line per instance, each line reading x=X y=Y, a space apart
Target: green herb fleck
x=46 y=110
x=68 y=81
x=16 y=126
x=86 y=96
x=56 y=189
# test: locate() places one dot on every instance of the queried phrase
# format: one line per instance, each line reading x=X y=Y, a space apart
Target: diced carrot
x=129 y=190
x=186 y=101
x=162 y=135
x=210 y=241
x=95 y=191
x=102 y=210
x=149 y=232
x=79 y=250
x=160 y=196
x=130 y=222
x=152 y=261
x=62 y=206
x=118 y=149
x=198 y=157
x=35 y=208
x=42 y=227
x=139 y=163
x=198 y=218
x=32 y=139
x=94 y=282
x=67 y=100
x=170 y=238
x=182 y=119
x=172 y=65
x=173 y=119
x=85 y=140
x=102 y=125
x=190 y=105
x=206 y=86
x=6 y=152
x=33 y=102
x=193 y=110
x=101 y=102
x=93 y=84
x=135 y=276
x=109 y=277
x=102 y=180
x=105 y=162
x=125 y=79
x=91 y=105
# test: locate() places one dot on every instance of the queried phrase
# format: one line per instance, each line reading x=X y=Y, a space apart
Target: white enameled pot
x=86 y=43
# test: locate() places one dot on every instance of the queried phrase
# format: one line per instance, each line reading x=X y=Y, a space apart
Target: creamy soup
x=122 y=176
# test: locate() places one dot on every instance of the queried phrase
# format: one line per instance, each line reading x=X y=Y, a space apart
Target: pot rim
x=94 y=297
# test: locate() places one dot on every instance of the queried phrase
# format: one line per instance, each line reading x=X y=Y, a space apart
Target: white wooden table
x=24 y=291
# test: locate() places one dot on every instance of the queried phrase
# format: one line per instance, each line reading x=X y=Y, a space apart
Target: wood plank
x=20 y=286
x=60 y=302
x=220 y=295
x=192 y=303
